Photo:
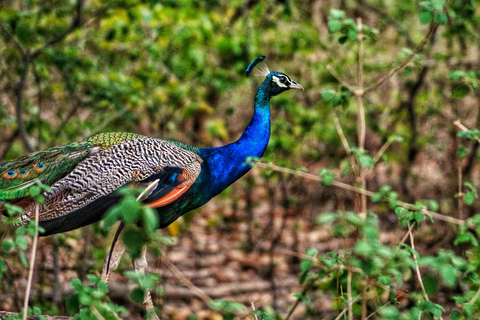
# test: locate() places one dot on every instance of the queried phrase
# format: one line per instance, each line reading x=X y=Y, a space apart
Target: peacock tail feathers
x=49 y=166
x=17 y=176
x=103 y=173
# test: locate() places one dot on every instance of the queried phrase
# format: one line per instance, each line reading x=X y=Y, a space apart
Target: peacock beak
x=295 y=85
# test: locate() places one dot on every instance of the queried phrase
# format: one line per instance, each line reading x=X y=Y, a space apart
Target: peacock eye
x=282 y=79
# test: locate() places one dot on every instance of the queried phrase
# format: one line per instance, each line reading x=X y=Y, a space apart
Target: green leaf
x=130 y=208
x=7 y=245
x=334 y=25
x=302 y=297
x=364 y=247
x=419 y=216
x=150 y=218
x=441 y=18
x=311 y=252
x=462 y=151
x=306 y=265
x=431 y=284
x=137 y=295
x=455 y=315
x=433 y=308
x=327 y=176
x=389 y=312
x=426 y=17
x=433 y=205
x=449 y=274
x=466 y=236
x=456 y=75
x=72 y=304
x=385 y=280
x=35 y=191
x=325 y=218
x=134 y=239
x=77 y=284
x=337 y=14
x=366 y=160
x=460 y=91
x=327 y=94
x=469 y=198
x=12 y=209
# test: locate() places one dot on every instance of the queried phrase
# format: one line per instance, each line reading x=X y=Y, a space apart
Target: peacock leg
x=140 y=265
x=112 y=260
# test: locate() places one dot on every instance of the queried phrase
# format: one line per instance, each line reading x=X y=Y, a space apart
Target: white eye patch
x=280 y=84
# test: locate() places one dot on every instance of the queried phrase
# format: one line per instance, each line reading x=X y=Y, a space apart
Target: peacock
x=84 y=176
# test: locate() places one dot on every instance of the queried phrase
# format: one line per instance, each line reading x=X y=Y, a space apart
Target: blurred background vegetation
x=175 y=70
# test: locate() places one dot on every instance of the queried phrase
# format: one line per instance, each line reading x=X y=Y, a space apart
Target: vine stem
x=32 y=264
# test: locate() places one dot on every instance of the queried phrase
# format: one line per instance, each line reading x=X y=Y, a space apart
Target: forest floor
x=248 y=251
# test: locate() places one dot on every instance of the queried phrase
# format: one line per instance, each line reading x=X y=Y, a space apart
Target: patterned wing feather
x=103 y=173
x=17 y=176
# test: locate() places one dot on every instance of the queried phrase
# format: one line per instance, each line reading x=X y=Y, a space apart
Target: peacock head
x=275 y=82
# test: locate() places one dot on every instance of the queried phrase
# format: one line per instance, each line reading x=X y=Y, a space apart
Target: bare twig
x=345 y=144
x=349 y=295
x=345 y=186
x=76 y=23
x=253 y=308
x=340 y=315
x=199 y=292
x=96 y=313
x=20 y=48
x=417 y=268
x=405 y=62
x=462 y=127
x=304 y=292
x=32 y=264
x=19 y=91
x=475 y=297
x=342 y=81
x=361 y=125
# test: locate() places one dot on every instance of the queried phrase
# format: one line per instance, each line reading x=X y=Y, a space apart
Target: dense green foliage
x=385 y=82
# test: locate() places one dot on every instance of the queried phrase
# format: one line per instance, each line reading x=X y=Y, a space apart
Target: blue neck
x=228 y=163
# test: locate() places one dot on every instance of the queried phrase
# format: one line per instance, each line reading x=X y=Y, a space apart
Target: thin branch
x=341 y=314
x=253 y=308
x=32 y=264
x=20 y=48
x=177 y=273
x=349 y=295
x=462 y=127
x=75 y=24
x=407 y=60
x=304 y=292
x=460 y=183
x=19 y=90
x=342 y=81
x=475 y=297
x=96 y=313
x=361 y=124
x=382 y=150
x=417 y=268
x=345 y=144
x=345 y=186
